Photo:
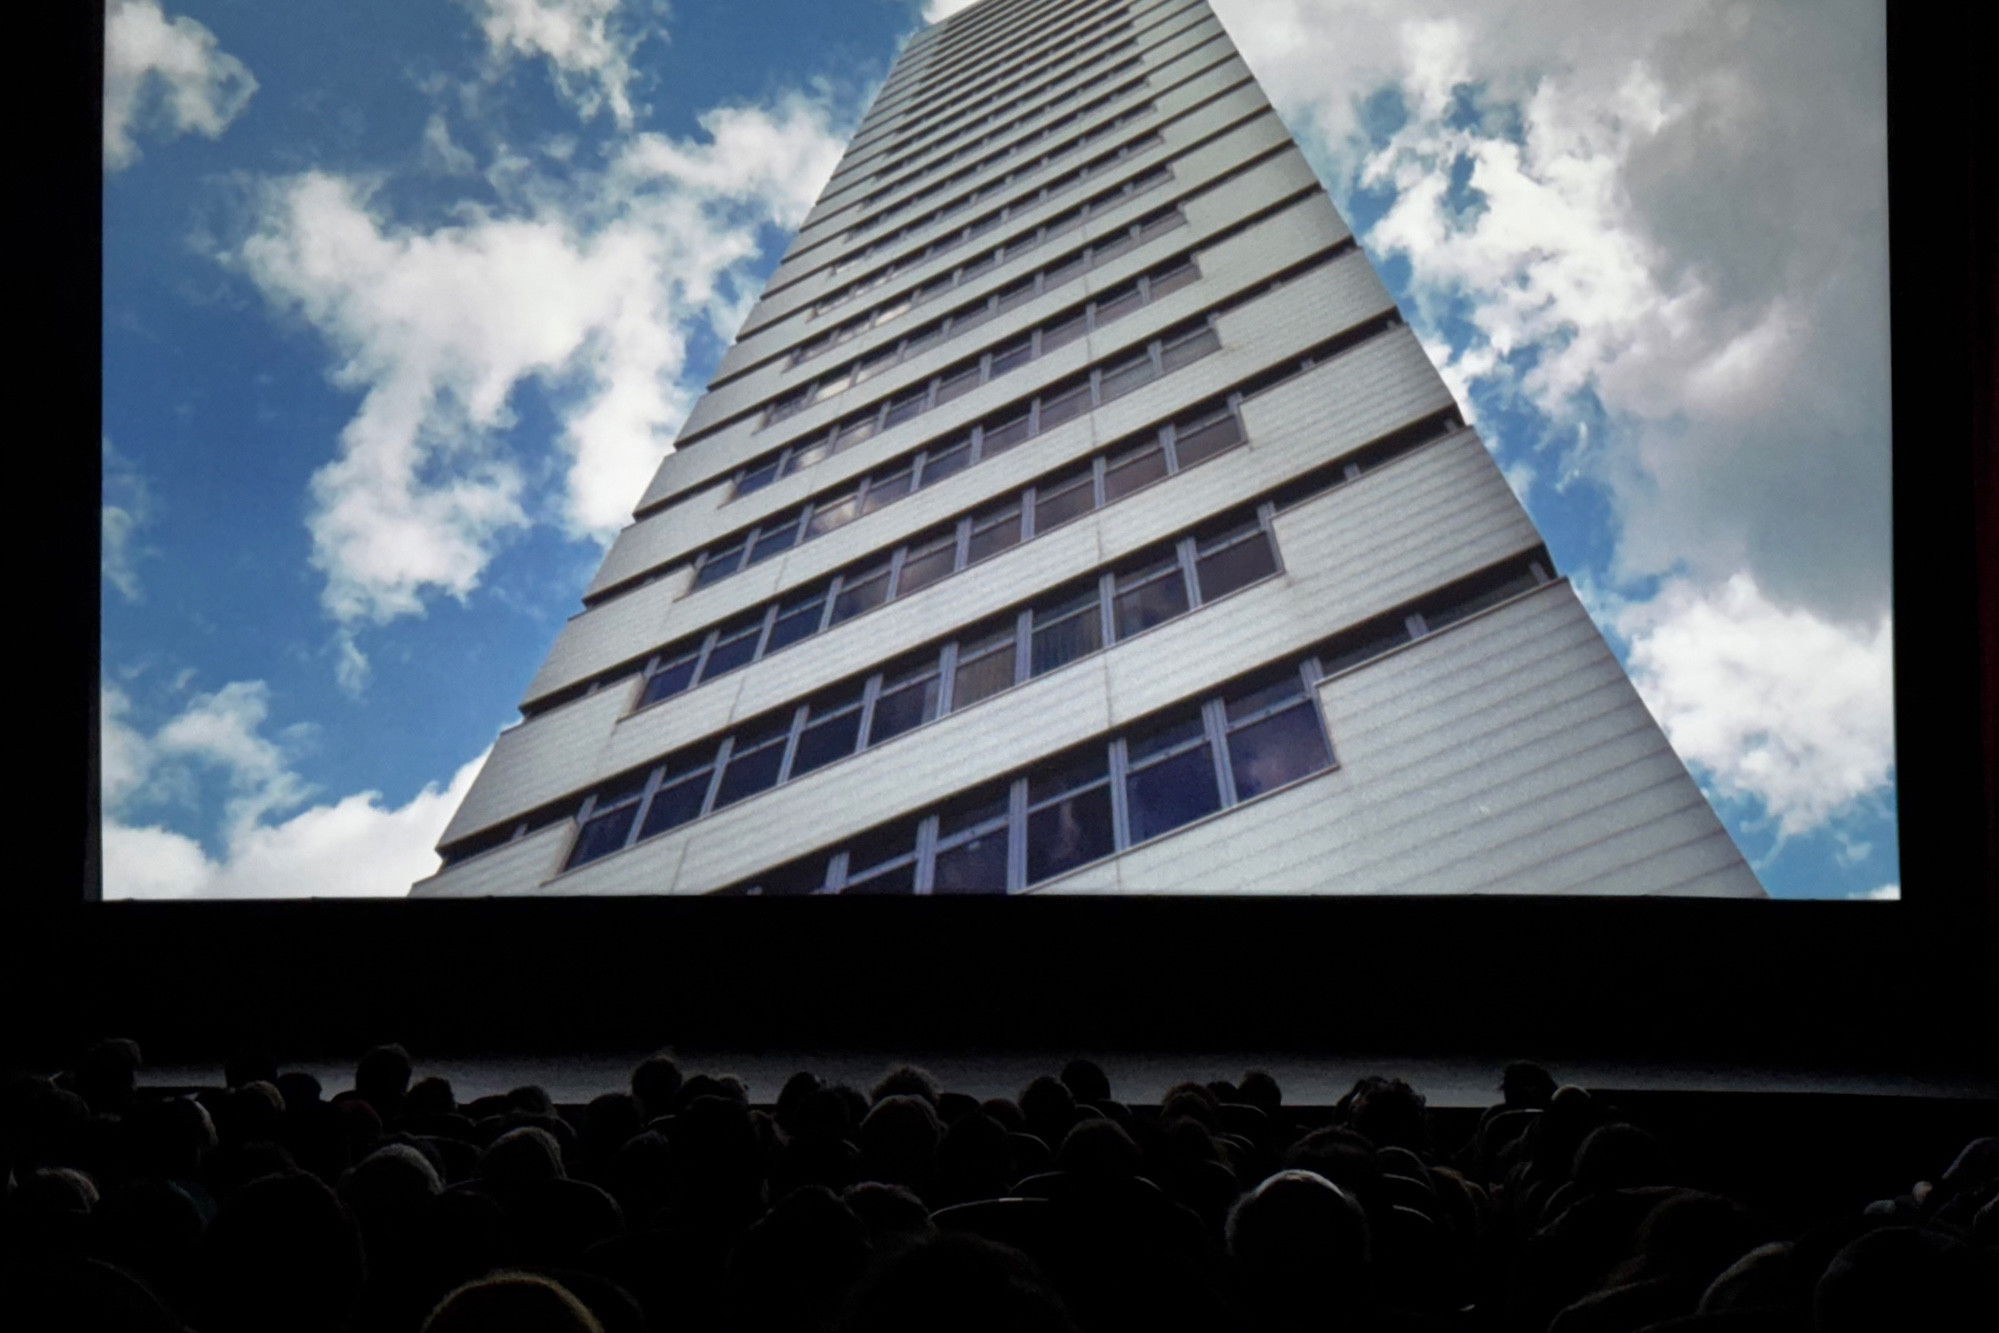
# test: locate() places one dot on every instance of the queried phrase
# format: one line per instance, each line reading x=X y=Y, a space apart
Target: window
x=1002 y=432
x=1234 y=558
x=875 y=363
x=1064 y=331
x=941 y=460
x=670 y=677
x=985 y=663
x=832 y=728
x=971 y=317
x=1127 y=373
x=1359 y=646
x=1063 y=404
x=609 y=822
x=886 y=486
x=1149 y=593
x=1066 y=626
x=1170 y=774
x=908 y=699
x=1275 y=735
x=832 y=513
x=1125 y=472
x=923 y=339
x=1170 y=279
x=1188 y=345
x=972 y=852
x=1012 y=355
x=926 y=562
x=797 y=618
x=861 y=591
x=994 y=530
x=758 y=477
x=780 y=534
x=957 y=383
x=754 y=760
x=1064 y=497
x=883 y=861
x=718 y=565
x=682 y=793
x=906 y=405
x=735 y=645
x=1066 y=268
x=1121 y=302
x=1201 y=437
x=1014 y=294
x=1069 y=813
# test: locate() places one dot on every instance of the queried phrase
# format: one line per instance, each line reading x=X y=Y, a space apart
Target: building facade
x=1074 y=513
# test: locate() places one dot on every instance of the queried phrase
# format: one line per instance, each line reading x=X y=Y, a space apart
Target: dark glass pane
x=1251 y=698
x=1057 y=502
x=860 y=594
x=883 y=490
x=1063 y=331
x=944 y=462
x=902 y=879
x=1064 y=405
x=1163 y=734
x=983 y=676
x=974 y=808
x=900 y=710
x=882 y=845
x=1191 y=444
x=795 y=621
x=923 y=339
x=1118 y=305
x=1012 y=355
x=854 y=430
x=730 y=653
x=1282 y=747
x=1150 y=603
x=1179 y=353
x=922 y=568
x=1004 y=433
x=1159 y=222
x=971 y=317
x=770 y=541
x=671 y=679
x=1172 y=792
x=1063 y=222
x=758 y=477
x=1065 y=640
x=1353 y=651
x=995 y=536
x=749 y=773
x=795 y=880
x=675 y=805
x=1133 y=469
x=1104 y=251
x=1168 y=281
x=957 y=384
x=1066 y=269
x=824 y=741
x=718 y=566
x=603 y=835
x=875 y=363
x=1127 y=375
x=1068 y=834
x=1011 y=296
x=806 y=455
x=1236 y=567
x=1067 y=771
x=1466 y=604
x=831 y=514
x=908 y=405
x=974 y=866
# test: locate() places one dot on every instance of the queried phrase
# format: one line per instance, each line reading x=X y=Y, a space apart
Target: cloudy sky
x=404 y=302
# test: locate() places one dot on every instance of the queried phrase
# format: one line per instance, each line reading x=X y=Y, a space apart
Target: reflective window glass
x=926 y=564
x=906 y=405
x=1148 y=596
x=1168 y=280
x=719 y=565
x=958 y=383
x=923 y=340
x=1065 y=630
x=796 y=619
x=826 y=738
x=941 y=461
x=886 y=488
x=904 y=703
x=1127 y=471
x=993 y=532
x=670 y=679
x=1126 y=374
x=971 y=317
x=1064 y=404
x=1190 y=347
x=1004 y=432
x=985 y=667
x=1204 y=437
x=1069 y=833
x=830 y=514
x=976 y=865
x=1118 y=304
x=1064 y=498
x=752 y=767
x=1223 y=569
x=860 y=592
x=779 y=535
x=1064 y=331
x=678 y=801
x=1282 y=747
x=1169 y=792
x=1011 y=355
x=758 y=477
x=734 y=647
x=603 y=835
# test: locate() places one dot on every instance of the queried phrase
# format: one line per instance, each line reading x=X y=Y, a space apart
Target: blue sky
x=403 y=303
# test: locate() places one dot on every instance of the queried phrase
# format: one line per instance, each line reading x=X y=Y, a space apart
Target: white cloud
x=1887 y=893
x=588 y=48
x=1778 y=705
x=356 y=846
x=943 y=9
x=591 y=290
x=168 y=73
x=127 y=506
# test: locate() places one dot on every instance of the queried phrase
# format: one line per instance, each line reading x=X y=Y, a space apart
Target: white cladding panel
x=1506 y=754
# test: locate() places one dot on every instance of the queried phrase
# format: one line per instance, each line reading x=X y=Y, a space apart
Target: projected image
x=1132 y=447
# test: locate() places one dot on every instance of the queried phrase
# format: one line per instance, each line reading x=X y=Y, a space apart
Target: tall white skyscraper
x=1075 y=514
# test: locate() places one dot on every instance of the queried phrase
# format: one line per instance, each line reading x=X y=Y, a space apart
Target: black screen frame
x=1905 y=986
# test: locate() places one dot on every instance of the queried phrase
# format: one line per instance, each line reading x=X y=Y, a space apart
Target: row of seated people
x=676 y=1204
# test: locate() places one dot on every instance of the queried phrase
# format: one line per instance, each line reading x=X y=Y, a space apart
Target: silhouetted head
x=432 y=1096
x=1618 y=1156
x=281 y=1251
x=893 y=1215
x=1389 y=1113
x=299 y=1089
x=1298 y=1237
x=249 y=1066
x=1192 y=1100
x=654 y=1082
x=512 y=1303
x=251 y=1113
x=1260 y=1090
x=382 y=1077
x=898 y=1141
x=521 y=1156
x=1526 y=1084
x=905 y=1081
x=791 y=1097
x=957 y=1282
x=796 y=1264
x=1087 y=1081
x=1100 y=1149
x=530 y=1099
x=1768 y=1277
x=108 y=1073
x=169 y=1137
x=1341 y=1156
